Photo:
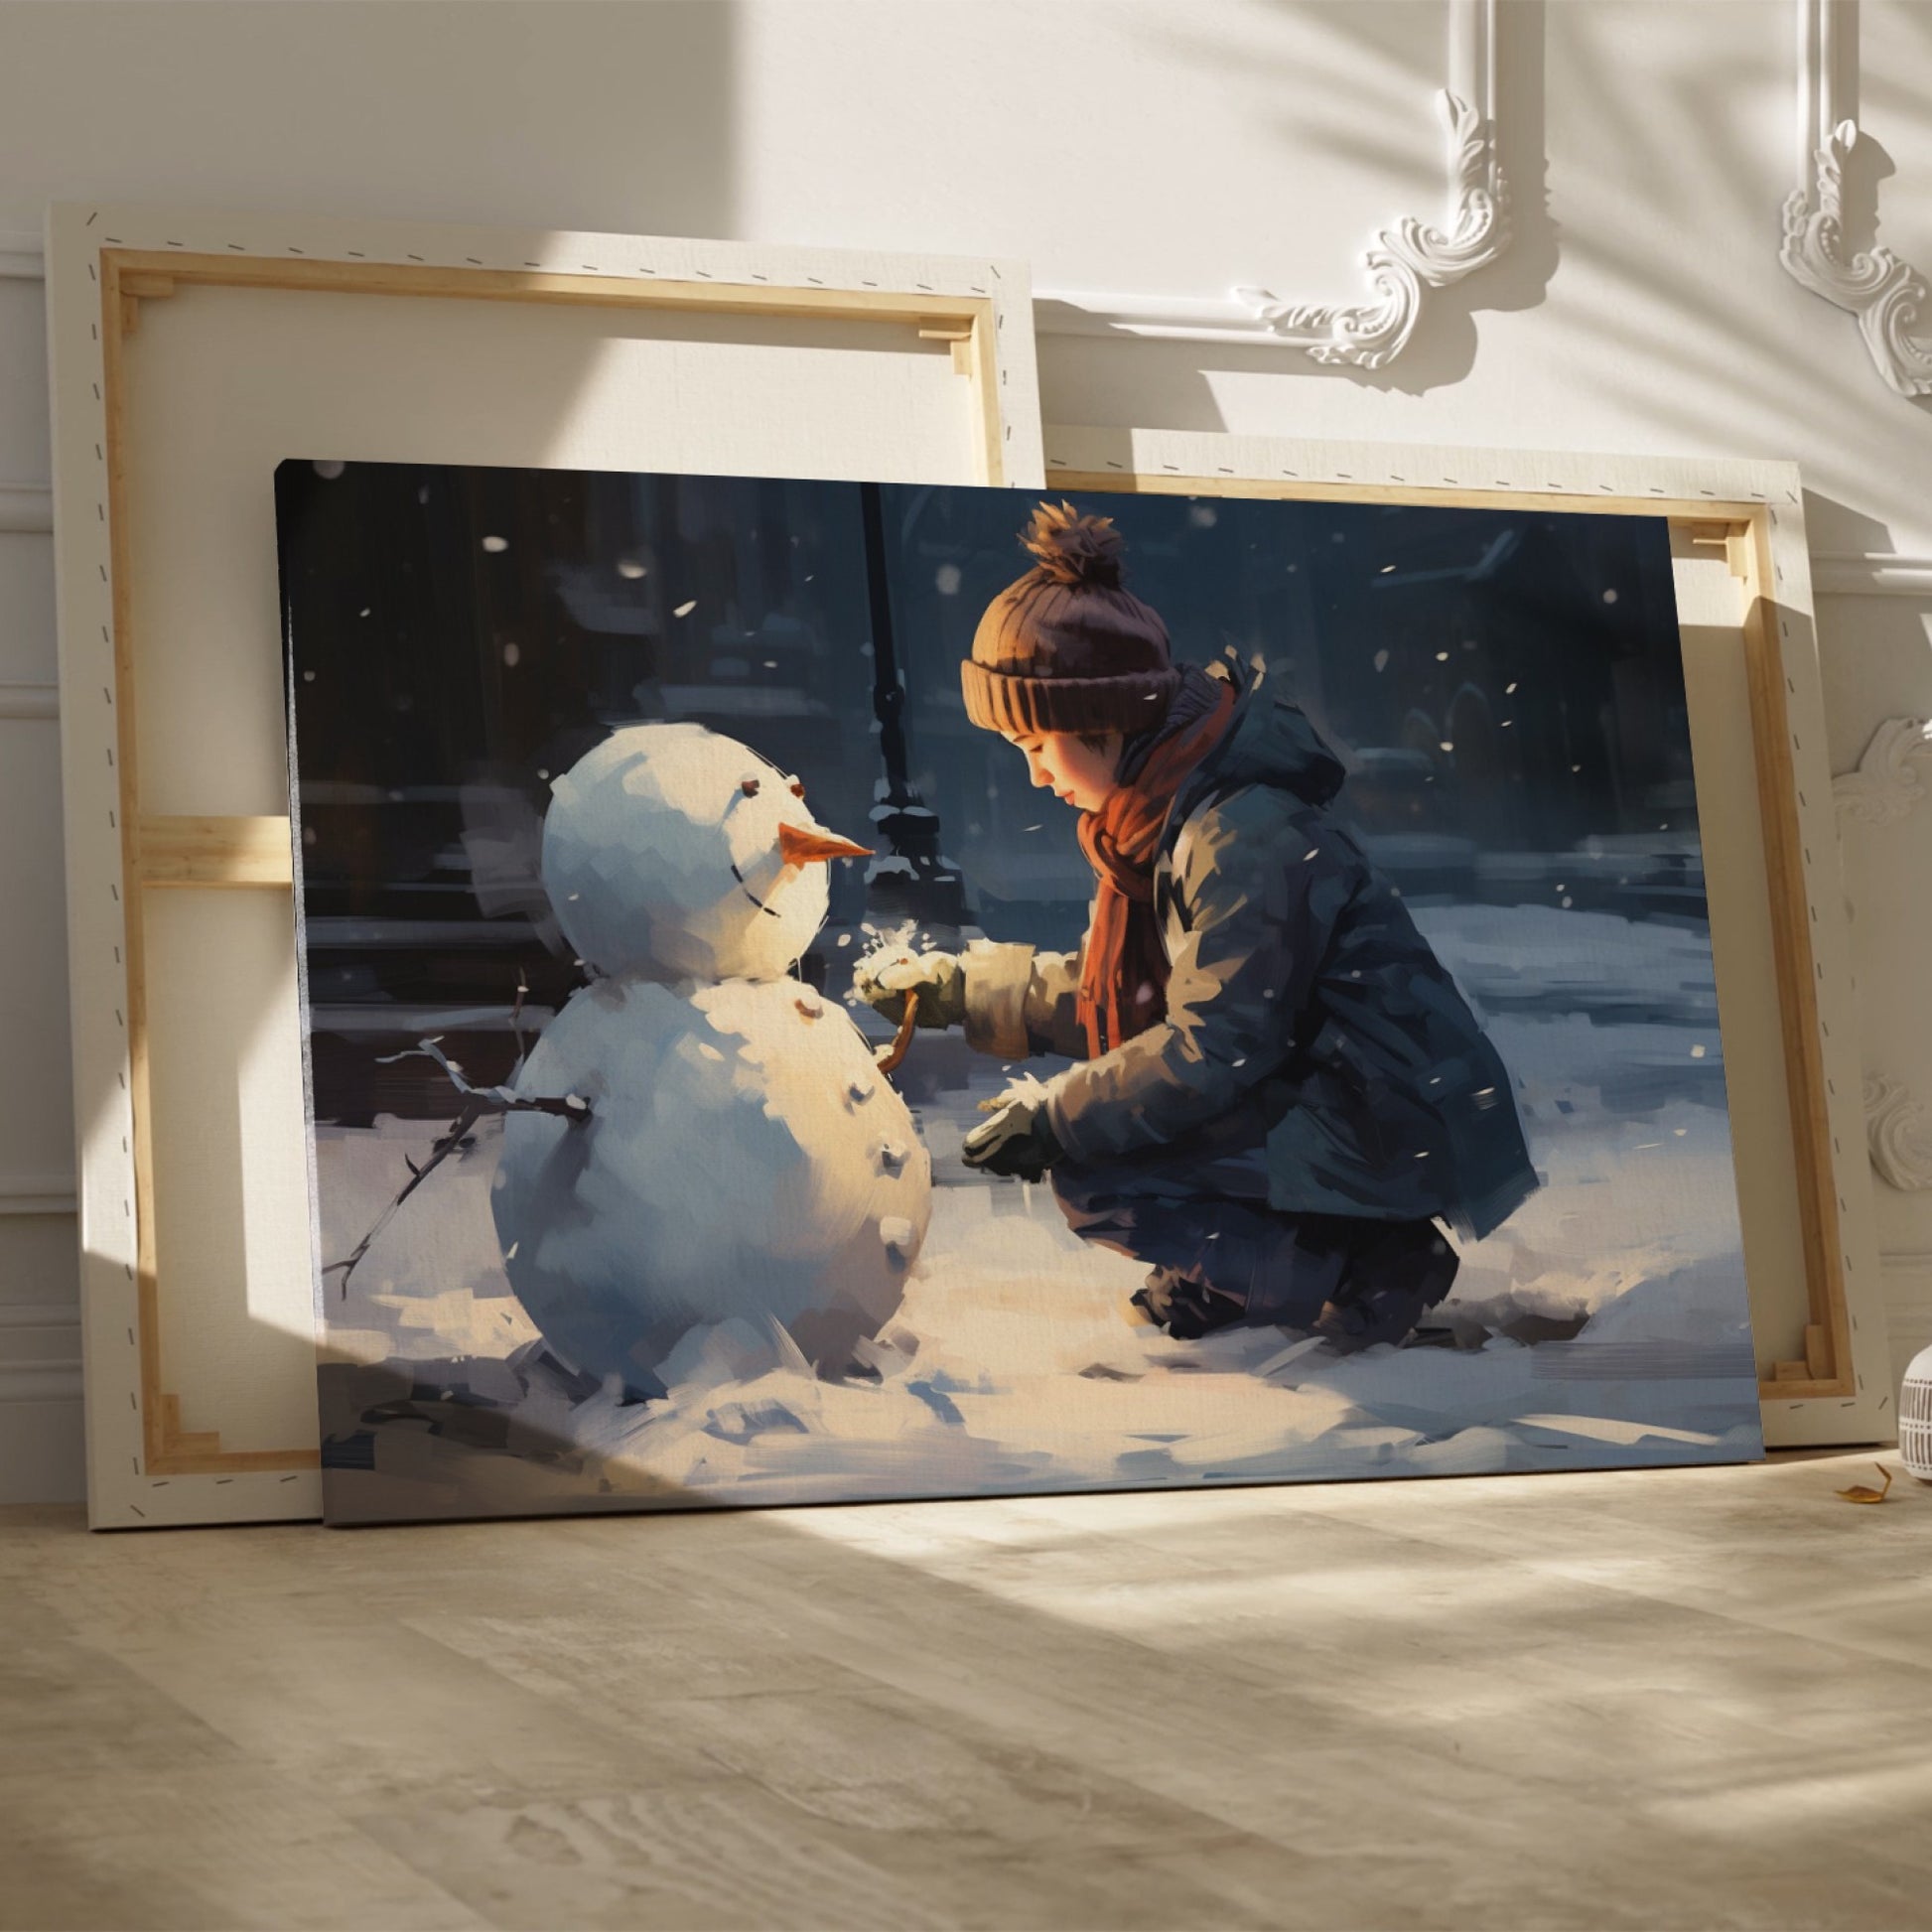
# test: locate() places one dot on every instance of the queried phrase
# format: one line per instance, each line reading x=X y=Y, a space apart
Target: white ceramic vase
x=1915 y=1417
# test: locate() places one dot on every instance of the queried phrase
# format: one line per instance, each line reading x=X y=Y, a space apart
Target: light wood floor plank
x=1631 y=1700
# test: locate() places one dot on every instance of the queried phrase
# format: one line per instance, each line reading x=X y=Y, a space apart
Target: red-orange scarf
x=1124 y=972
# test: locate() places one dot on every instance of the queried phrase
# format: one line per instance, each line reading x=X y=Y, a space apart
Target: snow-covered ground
x=1604 y=1323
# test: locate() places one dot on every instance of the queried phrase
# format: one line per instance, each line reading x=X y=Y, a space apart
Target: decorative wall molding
x=1887 y=295
x=1871 y=573
x=1898 y=1130
x=1888 y=783
x=1908 y=1260
x=23 y=255
x=30 y=701
x=38 y=1193
x=27 y=508
x=1405 y=262
x=40 y=1381
x=40 y=1314
x=22 y=259
x=39 y=1351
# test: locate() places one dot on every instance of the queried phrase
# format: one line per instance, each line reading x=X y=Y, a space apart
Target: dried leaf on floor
x=1862 y=1493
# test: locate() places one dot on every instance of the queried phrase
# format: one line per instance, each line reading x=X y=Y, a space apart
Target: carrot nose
x=802 y=846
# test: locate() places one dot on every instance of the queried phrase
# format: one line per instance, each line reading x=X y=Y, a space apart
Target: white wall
x=1121 y=145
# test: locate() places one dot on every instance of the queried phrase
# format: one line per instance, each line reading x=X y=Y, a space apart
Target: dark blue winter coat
x=1305 y=1011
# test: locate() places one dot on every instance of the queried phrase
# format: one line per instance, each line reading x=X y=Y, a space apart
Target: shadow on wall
x=1444 y=347
x=405 y=113
x=1709 y=342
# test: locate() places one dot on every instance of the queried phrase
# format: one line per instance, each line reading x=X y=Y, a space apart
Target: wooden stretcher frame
x=145 y=1466
x=1833 y=1385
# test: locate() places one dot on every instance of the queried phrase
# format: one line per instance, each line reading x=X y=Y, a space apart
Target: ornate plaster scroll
x=1887 y=295
x=1888 y=783
x=1898 y=1131
x=1406 y=262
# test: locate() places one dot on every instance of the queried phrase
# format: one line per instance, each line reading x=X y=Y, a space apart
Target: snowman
x=742 y=1155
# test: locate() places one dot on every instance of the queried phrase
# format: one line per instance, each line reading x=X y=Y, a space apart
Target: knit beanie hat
x=1066 y=648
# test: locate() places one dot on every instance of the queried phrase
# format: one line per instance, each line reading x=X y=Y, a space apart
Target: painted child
x=1279 y=1091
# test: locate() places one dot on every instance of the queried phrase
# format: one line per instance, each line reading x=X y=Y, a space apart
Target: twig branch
x=887 y=1061
x=477 y=1103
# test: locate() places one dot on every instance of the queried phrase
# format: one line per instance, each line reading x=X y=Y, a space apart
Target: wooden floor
x=1687 y=1698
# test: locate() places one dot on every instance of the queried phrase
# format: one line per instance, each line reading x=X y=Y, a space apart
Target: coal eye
x=750 y=788
x=798 y=787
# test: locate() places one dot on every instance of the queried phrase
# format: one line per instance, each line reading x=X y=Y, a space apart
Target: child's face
x=1067 y=766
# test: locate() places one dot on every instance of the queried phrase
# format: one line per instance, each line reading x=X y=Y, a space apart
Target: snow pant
x=1205 y=1220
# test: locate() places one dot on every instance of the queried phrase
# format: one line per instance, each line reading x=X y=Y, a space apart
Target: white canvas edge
x=1869 y=1414
x=120 y=1493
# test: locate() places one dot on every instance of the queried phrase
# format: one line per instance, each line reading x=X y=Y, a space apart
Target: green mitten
x=883 y=979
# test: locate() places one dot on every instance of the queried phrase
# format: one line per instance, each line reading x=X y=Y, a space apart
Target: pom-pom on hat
x=1066 y=648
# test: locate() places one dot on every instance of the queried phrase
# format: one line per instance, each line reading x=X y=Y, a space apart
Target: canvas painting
x=825 y=991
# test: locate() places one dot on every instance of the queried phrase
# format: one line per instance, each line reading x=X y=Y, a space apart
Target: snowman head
x=671 y=853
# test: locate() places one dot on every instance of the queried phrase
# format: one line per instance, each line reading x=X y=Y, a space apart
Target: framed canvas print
x=830 y=990
x=192 y=350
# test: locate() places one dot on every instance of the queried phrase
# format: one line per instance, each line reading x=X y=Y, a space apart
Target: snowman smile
x=771 y=911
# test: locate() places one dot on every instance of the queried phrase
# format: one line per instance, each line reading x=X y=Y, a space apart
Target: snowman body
x=741 y=1155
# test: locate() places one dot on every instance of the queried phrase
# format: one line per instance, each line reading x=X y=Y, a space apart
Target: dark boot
x=1187 y=1309
x=1393 y=1280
